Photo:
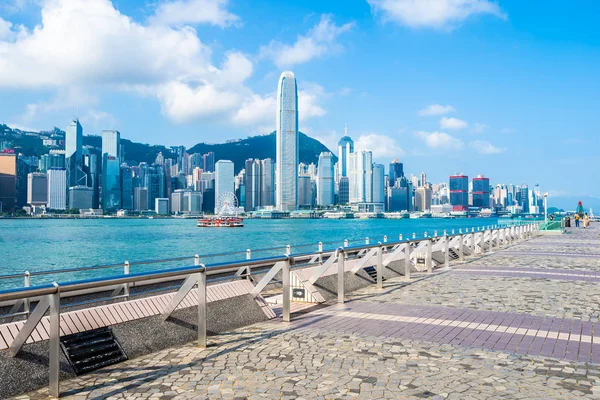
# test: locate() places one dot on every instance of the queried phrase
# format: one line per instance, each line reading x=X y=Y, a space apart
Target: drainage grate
x=372 y=271
x=91 y=350
x=453 y=254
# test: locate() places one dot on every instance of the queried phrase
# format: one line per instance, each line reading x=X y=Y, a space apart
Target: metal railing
x=49 y=295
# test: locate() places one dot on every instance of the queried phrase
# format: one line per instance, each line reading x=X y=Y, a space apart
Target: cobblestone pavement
x=467 y=332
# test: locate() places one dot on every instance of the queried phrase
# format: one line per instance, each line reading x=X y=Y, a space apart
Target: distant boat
x=220 y=222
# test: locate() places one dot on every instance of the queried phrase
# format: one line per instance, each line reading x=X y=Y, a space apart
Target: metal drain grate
x=91 y=350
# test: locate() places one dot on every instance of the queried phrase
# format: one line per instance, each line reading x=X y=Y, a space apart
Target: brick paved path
x=518 y=323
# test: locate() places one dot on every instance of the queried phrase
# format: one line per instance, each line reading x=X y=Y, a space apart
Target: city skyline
x=474 y=84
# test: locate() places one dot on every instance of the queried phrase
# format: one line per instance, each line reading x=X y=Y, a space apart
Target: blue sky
x=508 y=89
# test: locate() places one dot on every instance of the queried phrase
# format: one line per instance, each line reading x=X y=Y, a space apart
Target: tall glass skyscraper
x=345 y=148
x=325 y=183
x=111 y=170
x=74 y=155
x=286 y=185
x=396 y=171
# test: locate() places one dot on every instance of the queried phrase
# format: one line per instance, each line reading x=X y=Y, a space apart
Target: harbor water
x=53 y=245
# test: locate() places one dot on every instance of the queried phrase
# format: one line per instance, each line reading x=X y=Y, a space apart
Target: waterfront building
x=423 y=179
x=208 y=161
x=286 y=175
x=224 y=174
x=481 y=192
x=111 y=183
x=345 y=148
x=57 y=189
x=379 y=183
x=423 y=198
x=459 y=192
x=74 y=154
x=92 y=165
x=140 y=198
x=177 y=201
x=361 y=177
x=325 y=184
x=161 y=206
x=8 y=182
x=396 y=171
x=208 y=200
x=37 y=189
x=304 y=191
x=399 y=198
x=259 y=184
x=80 y=197
x=343 y=190
x=126 y=188
x=192 y=202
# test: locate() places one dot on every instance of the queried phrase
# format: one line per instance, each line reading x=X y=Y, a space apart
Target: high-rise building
x=396 y=171
x=345 y=148
x=224 y=174
x=37 y=189
x=192 y=202
x=343 y=191
x=126 y=188
x=523 y=198
x=208 y=161
x=74 y=154
x=481 y=192
x=8 y=182
x=80 y=197
x=286 y=185
x=304 y=191
x=459 y=192
x=360 y=175
x=379 y=183
x=92 y=167
x=259 y=188
x=177 y=201
x=325 y=183
x=55 y=159
x=111 y=143
x=57 y=189
x=423 y=198
x=140 y=198
x=161 y=206
x=423 y=179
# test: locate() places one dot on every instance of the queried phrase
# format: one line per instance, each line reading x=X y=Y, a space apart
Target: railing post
x=287 y=291
x=446 y=251
x=384 y=238
x=407 y=261
x=429 y=260
x=453 y=231
x=380 y=267
x=425 y=234
x=400 y=237
x=320 y=252
x=202 y=308
x=461 y=249
x=435 y=233
x=288 y=250
x=414 y=235
x=54 y=356
x=126 y=272
x=248 y=268
x=27 y=283
x=340 y=261
x=346 y=243
x=367 y=240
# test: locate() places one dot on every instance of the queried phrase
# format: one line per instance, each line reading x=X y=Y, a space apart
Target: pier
x=499 y=312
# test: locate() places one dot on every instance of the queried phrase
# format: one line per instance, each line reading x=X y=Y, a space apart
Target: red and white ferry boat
x=220 y=222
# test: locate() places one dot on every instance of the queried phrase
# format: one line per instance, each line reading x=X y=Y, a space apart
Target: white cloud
x=479 y=127
x=87 y=44
x=508 y=130
x=6 y=32
x=433 y=13
x=319 y=41
x=484 y=147
x=452 y=123
x=436 y=109
x=440 y=141
x=382 y=146
x=180 y=12
x=69 y=97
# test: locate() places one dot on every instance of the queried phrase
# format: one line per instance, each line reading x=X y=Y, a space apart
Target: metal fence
x=380 y=254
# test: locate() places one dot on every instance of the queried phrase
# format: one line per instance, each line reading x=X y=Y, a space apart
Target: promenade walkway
x=523 y=322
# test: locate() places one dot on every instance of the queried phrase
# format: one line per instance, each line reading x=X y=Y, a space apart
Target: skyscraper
x=481 y=192
x=57 y=189
x=224 y=174
x=360 y=175
x=8 y=182
x=259 y=186
x=325 y=184
x=111 y=143
x=74 y=154
x=459 y=192
x=345 y=148
x=379 y=183
x=396 y=171
x=286 y=175
x=111 y=170
x=208 y=160
x=37 y=189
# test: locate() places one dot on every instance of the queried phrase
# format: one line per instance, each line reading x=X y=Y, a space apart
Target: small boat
x=220 y=222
